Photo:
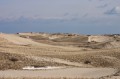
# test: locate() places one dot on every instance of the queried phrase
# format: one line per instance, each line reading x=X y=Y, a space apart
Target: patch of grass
x=13 y=59
x=87 y=62
x=23 y=36
x=38 y=37
x=72 y=39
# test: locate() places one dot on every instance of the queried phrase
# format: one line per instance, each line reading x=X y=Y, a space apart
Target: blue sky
x=72 y=16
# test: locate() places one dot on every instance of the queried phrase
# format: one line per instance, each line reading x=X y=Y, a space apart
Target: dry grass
x=98 y=58
x=13 y=56
x=62 y=40
x=77 y=39
x=15 y=61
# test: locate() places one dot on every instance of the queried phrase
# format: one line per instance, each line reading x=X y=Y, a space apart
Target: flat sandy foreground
x=56 y=73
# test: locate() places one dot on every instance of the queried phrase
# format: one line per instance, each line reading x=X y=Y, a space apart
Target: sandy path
x=68 y=72
x=57 y=60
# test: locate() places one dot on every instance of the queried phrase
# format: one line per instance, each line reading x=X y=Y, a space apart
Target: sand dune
x=92 y=59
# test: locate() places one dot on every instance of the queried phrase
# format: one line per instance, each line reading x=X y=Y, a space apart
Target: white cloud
x=115 y=10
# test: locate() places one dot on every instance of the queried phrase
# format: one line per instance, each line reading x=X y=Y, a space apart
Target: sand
x=66 y=72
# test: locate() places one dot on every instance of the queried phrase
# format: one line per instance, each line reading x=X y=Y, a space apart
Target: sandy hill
x=66 y=50
x=75 y=40
x=16 y=39
x=100 y=38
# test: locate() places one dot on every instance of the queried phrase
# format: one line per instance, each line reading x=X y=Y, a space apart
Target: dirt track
x=67 y=72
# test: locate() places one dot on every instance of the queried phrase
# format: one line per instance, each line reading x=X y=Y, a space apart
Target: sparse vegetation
x=38 y=37
x=15 y=61
x=87 y=62
x=66 y=47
